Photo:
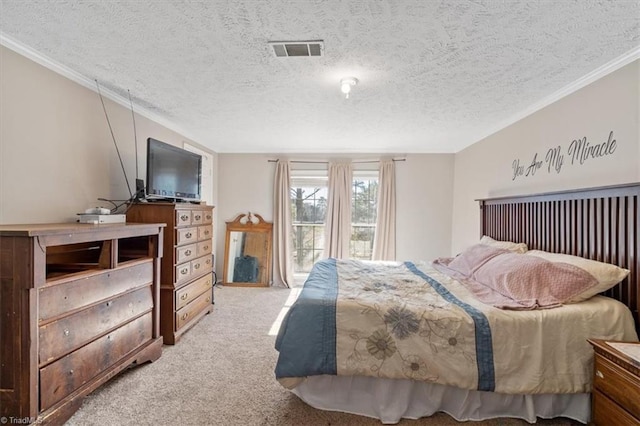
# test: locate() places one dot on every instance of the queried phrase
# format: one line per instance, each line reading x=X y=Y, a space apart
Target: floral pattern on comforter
x=395 y=321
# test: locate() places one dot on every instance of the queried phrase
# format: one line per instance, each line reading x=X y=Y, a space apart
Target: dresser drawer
x=201 y=265
x=183 y=217
x=208 y=217
x=204 y=232
x=618 y=384
x=92 y=287
x=62 y=377
x=185 y=253
x=204 y=247
x=61 y=337
x=189 y=312
x=183 y=272
x=607 y=412
x=186 y=235
x=197 y=217
x=189 y=292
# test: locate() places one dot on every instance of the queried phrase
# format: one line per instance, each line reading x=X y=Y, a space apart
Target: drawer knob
x=208 y=283
x=188 y=235
x=206 y=248
x=185 y=316
x=196 y=266
x=187 y=253
x=184 y=296
x=198 y=217
x=208 y=299
x=66 y=332
x=206 y=232
x=184 y=217
x=208 y=217
x=184 y=271
x=599 y=374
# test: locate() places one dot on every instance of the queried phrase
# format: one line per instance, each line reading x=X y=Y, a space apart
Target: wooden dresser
x=616 y=387
x=186 y=277
x=78 y=304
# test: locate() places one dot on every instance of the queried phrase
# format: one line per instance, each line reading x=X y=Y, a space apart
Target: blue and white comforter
x=406 y=320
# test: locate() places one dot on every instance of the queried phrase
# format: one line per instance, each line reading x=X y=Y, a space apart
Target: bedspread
x=407 y=320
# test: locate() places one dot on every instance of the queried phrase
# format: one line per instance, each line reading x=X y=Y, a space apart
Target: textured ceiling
x=435 y=76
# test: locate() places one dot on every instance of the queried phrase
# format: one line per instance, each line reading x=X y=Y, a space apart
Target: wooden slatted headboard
x=596 y=223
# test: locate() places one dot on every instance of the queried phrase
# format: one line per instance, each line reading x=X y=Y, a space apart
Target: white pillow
x=505 y=245
x=606 y=274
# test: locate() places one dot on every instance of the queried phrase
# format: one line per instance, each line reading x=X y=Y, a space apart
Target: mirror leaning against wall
x=247 y=253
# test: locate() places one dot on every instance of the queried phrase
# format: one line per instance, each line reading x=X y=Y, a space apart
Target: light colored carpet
x=221 y=373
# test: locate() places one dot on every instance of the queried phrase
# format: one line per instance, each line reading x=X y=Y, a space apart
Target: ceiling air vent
x=284 y=49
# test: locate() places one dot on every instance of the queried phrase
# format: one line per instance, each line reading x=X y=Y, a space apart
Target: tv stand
x=79 y=303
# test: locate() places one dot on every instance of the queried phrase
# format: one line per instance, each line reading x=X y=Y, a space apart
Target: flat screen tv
x=172 y=173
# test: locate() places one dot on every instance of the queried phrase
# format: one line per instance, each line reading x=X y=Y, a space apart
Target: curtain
x=337 y=232
x=384 y=241
x=282 y=243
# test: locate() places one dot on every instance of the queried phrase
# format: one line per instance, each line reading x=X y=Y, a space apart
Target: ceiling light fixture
x=346 y=84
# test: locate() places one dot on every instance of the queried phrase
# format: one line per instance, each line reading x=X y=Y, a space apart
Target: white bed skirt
x=391 y=400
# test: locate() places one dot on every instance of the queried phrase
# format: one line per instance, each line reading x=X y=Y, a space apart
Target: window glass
x=363 y=214
x=309 y=207
x=308 y=210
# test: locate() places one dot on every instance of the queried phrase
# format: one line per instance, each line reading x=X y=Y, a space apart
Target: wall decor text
x=579 y=152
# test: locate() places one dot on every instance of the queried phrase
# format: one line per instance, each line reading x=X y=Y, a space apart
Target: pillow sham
x=530 y=282
x=471 y=258
x=506 y=245
x=606 y=274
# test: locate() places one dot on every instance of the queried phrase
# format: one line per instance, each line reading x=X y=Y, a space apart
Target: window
x=308 y=209
x=363 y=214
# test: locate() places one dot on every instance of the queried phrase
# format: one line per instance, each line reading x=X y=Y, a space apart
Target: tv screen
x=172 y=172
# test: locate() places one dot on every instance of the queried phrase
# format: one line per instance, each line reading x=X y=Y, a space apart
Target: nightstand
x=616 y=386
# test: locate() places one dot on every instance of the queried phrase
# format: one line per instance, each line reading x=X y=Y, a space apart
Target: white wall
x=424 y=206
x=424 y=198
x=484 y=169
x=56 y=153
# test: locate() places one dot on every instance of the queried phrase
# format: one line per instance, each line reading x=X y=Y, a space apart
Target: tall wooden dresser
x=186 y=276
x=78 y=304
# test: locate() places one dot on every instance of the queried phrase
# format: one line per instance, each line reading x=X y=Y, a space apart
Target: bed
x=396 y=340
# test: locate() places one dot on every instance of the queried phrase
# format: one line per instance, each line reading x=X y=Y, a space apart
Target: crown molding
x=86 y=82
x=583 y=81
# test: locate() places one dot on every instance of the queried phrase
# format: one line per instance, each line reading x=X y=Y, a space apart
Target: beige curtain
x=337 y=232
x=384 y=241
x=282 y=243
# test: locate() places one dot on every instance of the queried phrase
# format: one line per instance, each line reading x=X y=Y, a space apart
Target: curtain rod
x=326 y=162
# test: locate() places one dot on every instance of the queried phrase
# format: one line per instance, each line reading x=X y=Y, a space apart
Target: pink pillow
x=532 y=281
x=606 y=274
x=472 y=258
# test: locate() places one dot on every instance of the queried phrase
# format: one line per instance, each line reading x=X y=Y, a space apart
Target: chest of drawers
x=78 y=304
x=186 y=273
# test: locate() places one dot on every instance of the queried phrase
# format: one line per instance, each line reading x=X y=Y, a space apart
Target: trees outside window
x=308 y=209
x=363 y=215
